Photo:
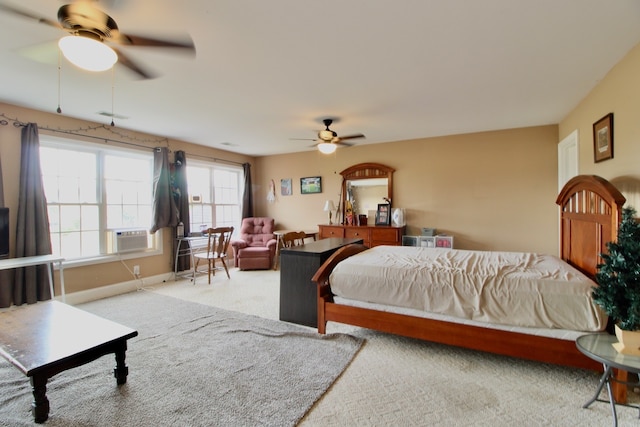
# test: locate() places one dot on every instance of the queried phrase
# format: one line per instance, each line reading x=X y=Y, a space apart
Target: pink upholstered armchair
x=256 y=247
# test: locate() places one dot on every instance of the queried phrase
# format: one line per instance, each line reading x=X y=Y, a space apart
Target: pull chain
x=59 y=110
x=113 y=73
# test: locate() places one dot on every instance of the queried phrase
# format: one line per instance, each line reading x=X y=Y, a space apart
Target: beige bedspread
x=509 y=288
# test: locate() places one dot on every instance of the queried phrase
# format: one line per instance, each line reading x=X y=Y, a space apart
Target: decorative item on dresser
x=329 y=207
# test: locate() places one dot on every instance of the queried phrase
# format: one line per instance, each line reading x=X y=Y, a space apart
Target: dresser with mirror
x=364 y=187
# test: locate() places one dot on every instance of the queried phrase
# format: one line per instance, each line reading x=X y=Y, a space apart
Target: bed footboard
x=321 y=278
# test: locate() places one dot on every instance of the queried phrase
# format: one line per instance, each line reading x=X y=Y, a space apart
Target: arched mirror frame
x=366 y=171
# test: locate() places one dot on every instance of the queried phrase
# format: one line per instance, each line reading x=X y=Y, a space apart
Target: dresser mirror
x=364 y=186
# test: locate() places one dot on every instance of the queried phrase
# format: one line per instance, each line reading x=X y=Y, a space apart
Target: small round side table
x=599 y=347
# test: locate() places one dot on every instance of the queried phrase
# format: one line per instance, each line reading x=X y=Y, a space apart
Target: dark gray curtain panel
x=6 y=276
x=247 y=195
x=181 y=195
x=31 y=284
x=164 y=211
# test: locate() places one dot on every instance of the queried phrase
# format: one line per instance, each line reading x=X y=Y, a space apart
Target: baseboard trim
x=114 y=289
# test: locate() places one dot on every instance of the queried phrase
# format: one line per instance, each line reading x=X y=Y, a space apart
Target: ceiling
x=267 y=72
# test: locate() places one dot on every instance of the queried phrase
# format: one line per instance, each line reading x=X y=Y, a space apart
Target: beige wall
x=617 y=93
x=490 y=190
x=88 y=277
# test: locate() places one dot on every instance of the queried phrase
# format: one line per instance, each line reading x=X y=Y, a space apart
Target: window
x=93 y=192
x=214 y=195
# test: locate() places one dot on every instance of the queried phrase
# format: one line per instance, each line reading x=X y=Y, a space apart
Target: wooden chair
x=292 y=238
x=287 y=240
x=217 y=246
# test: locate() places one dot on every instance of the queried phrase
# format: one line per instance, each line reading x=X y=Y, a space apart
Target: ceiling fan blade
x=131 y=65
x=344 y=144
x=184 y=42
x=354 y=136
x=29 y=15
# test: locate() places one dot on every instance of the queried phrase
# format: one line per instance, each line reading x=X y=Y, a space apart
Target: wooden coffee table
x=46 y=338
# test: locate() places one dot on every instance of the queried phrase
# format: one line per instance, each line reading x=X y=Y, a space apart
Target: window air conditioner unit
x=129 y=240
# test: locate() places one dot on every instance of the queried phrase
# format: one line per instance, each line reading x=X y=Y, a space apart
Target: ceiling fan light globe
x=88 y=54
x=327 y=147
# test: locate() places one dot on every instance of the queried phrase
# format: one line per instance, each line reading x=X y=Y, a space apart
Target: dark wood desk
x=298 y=294
x=46 y=338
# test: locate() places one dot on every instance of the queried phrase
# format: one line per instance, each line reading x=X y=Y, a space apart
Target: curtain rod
x=215 y=159
x=17 y=123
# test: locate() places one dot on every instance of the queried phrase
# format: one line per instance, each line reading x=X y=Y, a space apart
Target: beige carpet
x=191 y=365
x=404 y=382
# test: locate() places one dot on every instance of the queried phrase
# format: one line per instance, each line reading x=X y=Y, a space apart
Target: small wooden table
x=46 y=338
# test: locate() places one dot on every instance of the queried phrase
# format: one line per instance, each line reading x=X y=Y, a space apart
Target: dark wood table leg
x=121 y=370
x=40 y=405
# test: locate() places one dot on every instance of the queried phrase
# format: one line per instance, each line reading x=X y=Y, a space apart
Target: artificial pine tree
x=618 y=278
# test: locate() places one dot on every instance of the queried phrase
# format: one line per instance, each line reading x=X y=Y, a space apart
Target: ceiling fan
x=327 y=135
x=329 y=139
x=86 y=23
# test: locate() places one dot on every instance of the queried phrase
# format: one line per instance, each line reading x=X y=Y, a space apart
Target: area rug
x=190 y=365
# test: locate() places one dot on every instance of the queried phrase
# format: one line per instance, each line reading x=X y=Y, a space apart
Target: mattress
x=506 y=288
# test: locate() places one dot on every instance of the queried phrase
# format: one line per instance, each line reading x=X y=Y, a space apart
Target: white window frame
x=215 y=166
x=79 y=145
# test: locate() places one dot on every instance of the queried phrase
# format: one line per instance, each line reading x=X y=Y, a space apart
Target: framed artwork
x=311 y=185
x=603 y=138
x=382 y=215
x=285 y=187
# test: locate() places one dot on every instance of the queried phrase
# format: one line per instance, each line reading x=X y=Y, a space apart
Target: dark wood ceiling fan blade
x=29 y=15
x=135 y=68
x=344 y=144
x=184 y=42
x=354 y=136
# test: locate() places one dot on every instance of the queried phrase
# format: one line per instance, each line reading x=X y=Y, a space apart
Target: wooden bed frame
x=590 y=211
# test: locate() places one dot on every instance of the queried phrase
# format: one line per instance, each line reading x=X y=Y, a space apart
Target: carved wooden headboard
x=590 y=212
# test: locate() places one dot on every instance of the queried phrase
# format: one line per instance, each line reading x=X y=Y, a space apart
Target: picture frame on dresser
x=382 y=215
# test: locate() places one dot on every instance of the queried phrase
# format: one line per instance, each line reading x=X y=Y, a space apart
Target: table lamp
x=328 y=207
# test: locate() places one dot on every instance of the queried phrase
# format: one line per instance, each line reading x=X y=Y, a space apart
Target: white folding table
x=50 y=260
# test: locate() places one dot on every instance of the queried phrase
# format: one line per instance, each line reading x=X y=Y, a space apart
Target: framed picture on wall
x=311 y=185
x=285 y=187
x=382 y=215
x=603 y=138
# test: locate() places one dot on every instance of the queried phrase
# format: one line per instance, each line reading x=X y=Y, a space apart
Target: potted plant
x=618 y=278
